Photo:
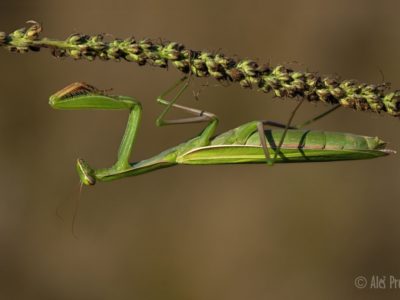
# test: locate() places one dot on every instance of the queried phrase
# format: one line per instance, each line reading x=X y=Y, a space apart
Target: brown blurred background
x=209 y=232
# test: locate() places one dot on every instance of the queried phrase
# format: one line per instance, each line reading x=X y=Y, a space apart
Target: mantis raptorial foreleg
x=97 y=99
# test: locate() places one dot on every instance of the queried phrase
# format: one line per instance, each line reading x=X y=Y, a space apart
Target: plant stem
x=282 y=81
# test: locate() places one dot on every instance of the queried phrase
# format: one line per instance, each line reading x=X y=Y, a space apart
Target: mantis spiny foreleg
x=83 y=96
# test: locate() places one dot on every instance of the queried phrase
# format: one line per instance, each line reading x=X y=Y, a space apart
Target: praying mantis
x=246 y=144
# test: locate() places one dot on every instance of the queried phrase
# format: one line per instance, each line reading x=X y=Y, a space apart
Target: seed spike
x=281 y=81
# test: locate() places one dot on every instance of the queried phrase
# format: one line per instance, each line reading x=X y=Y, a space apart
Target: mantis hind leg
x=304 y=124
x=287 y=126
x=260 y=128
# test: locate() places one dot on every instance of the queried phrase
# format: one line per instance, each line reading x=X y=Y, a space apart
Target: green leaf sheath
x=281 y=81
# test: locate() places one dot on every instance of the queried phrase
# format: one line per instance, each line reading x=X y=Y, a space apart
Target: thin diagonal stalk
x=281 y=81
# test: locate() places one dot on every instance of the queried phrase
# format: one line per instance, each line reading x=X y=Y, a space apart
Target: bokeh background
x=301 y=231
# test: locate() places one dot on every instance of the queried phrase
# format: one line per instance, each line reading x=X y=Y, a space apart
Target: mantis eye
x=85 y=172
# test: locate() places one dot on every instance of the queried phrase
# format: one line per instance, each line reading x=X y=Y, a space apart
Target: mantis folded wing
x=243 y=144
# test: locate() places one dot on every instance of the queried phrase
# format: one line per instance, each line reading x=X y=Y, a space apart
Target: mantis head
x=85 y=172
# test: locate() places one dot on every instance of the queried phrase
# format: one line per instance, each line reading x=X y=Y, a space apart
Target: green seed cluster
x=281 y=81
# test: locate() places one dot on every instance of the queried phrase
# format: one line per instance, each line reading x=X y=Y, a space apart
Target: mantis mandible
x=247 y=143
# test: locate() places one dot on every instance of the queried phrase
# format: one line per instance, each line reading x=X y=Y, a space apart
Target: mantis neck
x=165 y=159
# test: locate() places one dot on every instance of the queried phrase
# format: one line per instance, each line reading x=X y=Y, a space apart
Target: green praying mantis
x=246 y=144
